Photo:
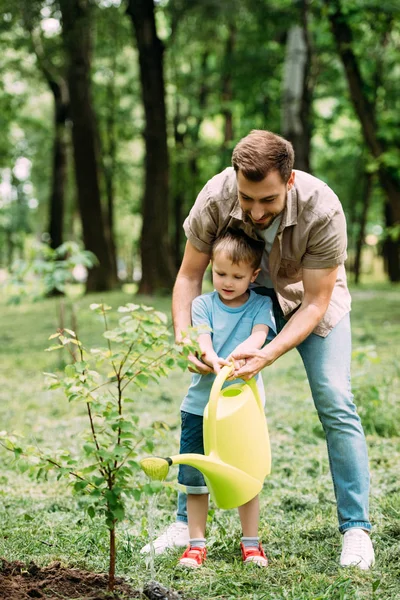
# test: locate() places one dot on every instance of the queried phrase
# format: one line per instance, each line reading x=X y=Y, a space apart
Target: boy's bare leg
x=249 y=514
x=197 y=508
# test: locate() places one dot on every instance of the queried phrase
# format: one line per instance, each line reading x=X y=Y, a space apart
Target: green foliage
x=374 y=394
x=105 y=470
x=46 y=270
x=138 y=350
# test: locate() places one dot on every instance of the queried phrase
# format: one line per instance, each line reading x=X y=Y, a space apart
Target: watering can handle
x=214 y=395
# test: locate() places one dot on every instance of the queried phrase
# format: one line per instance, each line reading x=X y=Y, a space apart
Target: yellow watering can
x=236 y=444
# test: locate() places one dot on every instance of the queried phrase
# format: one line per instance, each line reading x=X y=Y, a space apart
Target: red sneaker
x=193 y=557
x=254 y=554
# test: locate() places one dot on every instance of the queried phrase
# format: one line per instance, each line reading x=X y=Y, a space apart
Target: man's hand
x=254 y=361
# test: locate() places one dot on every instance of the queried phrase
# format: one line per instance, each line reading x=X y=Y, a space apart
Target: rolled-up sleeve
x=201 y=226
x=327 y=243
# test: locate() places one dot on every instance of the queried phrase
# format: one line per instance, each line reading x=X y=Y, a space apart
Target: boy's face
x=231 y=281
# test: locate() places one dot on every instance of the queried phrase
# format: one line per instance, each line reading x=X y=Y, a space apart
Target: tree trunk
x=362 y=226
x=297 y=94
x=180 y=185
x=109 y=166
x=111 y=568
x=157 y=265
x=363 y=106
x=391 y=248
x=59 y=89
x=227 y=94
x=56 y=207
x=186 y=170
x=76 y=35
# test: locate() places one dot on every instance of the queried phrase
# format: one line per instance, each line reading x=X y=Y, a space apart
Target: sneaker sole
x=162 y=549
x=260 y=562
x=187 y=563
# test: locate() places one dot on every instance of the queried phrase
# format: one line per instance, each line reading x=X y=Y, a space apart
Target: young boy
x=238 y=319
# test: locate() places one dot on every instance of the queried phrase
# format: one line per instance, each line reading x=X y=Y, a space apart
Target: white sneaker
x=175 y=535
x=357 y=549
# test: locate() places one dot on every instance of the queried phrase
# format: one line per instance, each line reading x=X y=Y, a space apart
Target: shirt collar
x=289 y=216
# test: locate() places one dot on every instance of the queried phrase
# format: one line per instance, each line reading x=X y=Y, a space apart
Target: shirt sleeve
x=200 y=312
x=201 y=226
x=327 y=243
x=265 y=314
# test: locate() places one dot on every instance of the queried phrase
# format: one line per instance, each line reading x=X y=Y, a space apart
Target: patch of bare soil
x=28 y=582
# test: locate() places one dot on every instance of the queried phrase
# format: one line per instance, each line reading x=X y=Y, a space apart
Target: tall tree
x=76 y=24
x=379 y=146
x=58 y=86
x=157 y=264
x=297 y=90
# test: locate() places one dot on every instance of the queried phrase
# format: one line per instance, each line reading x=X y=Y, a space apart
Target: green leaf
x=72 y=333
x=51 y=375
x=136 y=494
x=119 y=513
x=79 y=486
x=91 y=511
x=163 y=317
x=70 y=370
x=54 y=348
x=142 y=379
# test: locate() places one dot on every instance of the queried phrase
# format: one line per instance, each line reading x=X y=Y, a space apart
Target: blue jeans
x=327 y=364
x=191 y=441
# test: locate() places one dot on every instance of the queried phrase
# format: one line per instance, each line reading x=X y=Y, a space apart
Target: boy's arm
x=208 y=354
x=255 y=341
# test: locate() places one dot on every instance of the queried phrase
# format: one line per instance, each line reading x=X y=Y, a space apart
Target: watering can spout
x=229 y=486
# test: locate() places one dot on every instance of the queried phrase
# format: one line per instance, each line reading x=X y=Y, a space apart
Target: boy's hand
x=215 y=362
x=198 y=366
x=237 y=365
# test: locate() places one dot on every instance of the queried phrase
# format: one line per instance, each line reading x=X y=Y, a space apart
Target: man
x=303 y=226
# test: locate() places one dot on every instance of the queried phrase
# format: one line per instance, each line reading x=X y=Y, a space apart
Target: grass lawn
x=43 y=521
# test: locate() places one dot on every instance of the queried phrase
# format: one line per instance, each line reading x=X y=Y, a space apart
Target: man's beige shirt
x=311 y=235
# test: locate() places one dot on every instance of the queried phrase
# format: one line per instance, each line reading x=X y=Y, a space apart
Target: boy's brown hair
x=239 y=247
x=261 y=152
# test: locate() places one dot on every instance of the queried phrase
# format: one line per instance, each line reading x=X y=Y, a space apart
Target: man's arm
x=187 y=288
x=318 y=288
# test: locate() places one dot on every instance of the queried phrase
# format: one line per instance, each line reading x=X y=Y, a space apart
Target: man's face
x=263 y=200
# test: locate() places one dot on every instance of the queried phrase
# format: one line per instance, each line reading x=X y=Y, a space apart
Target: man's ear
x=291 y=179
x=255 y=275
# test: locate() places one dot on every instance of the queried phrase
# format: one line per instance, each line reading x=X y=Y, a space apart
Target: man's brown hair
x=239 y=247
x=261 y=152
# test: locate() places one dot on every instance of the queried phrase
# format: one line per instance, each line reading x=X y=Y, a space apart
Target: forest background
x=113 y=115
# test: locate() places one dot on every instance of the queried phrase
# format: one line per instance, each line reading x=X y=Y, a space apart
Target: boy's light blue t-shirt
x=230 y=327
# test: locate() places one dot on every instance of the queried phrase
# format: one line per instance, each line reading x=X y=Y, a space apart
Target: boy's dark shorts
x=190 y=479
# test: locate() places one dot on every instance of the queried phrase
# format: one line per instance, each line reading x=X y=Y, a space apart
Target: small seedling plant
x=139 y=350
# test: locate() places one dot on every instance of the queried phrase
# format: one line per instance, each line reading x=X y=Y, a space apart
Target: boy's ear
x=255 y=275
